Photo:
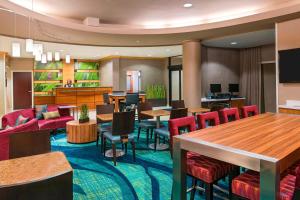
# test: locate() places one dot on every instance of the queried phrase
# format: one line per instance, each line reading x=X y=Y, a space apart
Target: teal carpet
x=95 y=177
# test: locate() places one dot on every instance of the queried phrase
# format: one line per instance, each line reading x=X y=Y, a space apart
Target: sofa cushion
x=39 y=110
x=47 y=124
x=61 y=122
x=21 y=120
x=10 y=118
x=51 y=115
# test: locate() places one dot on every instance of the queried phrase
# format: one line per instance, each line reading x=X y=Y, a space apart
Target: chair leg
x=133 y=150
x=194 y=184
x=97 y=142
x=164 y=140
x=102 y=139
x=125 y=148
x=151 y=135
x=209 y=192
x=147 y=133
x=122 y=147
x=104 y=146
x=155 y=139
x=114 y=153
x=139 y=132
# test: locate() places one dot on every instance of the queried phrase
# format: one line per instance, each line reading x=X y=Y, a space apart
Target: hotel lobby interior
x=150 y=100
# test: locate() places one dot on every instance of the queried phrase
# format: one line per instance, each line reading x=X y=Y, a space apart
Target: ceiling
x=149 y=13
x=93 y=52
x=245 y=40
x=140 y=22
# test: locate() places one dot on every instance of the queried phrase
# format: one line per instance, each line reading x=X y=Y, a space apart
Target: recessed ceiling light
x=187 y=5
x=137 y=41
x=233 y=43
x=167 y=50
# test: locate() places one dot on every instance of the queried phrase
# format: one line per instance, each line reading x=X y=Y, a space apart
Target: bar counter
x=91 y=96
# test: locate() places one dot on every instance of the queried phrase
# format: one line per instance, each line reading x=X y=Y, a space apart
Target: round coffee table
x=81 y=132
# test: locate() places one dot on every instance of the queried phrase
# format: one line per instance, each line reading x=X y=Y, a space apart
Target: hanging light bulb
x=56 y=56
x=37 y=49
x=68 y=58
x=49 y=56
x=44 y=58
x=16 y=49
x=29 y=45
x=38 y=57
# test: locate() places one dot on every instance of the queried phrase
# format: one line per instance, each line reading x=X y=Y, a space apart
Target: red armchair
x=32 y=125
x=227 y=113
x=209 y=116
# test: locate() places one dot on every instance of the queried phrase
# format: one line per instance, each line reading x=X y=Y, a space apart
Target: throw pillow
x=21 y=120
x=51 y=115
x=39 y=110
x=8 y=127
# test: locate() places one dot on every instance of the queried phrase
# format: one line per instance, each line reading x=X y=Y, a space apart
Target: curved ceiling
x=140 y=23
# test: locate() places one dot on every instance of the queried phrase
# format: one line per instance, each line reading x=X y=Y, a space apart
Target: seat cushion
x=206 y=169
x=62 y=121
x=247 y=185
x=114 y=139
x=104 y=127
x=147 y=124
x=47 y=124
x=164 y=131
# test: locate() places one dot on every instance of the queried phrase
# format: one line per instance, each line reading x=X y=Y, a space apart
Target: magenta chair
x=210 y=117
x=248 y=111
x=200 y=167
x=229 y=114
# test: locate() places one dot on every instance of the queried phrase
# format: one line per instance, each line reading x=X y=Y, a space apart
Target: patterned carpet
x=95 y=177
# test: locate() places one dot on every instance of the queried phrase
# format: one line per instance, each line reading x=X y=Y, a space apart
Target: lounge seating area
x=150 y=100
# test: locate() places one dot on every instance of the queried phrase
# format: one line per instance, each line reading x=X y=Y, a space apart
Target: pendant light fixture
x=15 y=46
x=49 y=56
x=56 y=56
x=38 y=57
x=44 y=58
x=68 y=58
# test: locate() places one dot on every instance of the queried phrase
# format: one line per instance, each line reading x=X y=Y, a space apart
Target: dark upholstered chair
x=210 y=117
x=106 y=98
x=132 y=100
x=177 y=104
x=164 y=131
x=121 y=132
x=103 y=125
x=247 y=186
x=229 y=114
x=248 y=111
x=144 y=122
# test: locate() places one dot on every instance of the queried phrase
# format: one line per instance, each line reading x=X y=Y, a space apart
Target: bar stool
x=248 y=111
x=229 y=114
x=200 y=167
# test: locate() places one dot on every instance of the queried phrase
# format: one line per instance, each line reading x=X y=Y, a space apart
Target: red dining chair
x=229 y=114
x=211 y=117
x=247 y=186
x=200 y=167
x=248 y=111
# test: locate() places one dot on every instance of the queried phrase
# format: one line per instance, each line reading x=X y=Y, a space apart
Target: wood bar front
x=91 y=96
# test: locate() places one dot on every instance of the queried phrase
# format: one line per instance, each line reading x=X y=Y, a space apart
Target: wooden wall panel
x=42 y=100
x=68 y=71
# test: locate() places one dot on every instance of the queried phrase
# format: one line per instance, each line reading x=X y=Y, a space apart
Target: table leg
x=159 y=146
x=116 y=104
x=269 y=180
x=179 y=171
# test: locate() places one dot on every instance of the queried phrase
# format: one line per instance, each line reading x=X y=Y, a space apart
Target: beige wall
x=288 y=37
x=106 y=71
x=220 y=66
x=2 y=84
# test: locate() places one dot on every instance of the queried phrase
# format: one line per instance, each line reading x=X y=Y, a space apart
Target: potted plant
x=84 y=114
x=156 y=94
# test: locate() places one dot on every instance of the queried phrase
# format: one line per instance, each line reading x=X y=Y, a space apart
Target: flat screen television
x=232 y=88
x=289 y=66
x=215 y=88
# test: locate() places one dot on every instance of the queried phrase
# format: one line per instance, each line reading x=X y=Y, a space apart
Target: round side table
x=81 y=132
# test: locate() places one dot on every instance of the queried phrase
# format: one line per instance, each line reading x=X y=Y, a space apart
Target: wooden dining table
x=105 y=117
x=268 y=143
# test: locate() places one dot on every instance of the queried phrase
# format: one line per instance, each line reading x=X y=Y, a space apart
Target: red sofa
x=52 y=124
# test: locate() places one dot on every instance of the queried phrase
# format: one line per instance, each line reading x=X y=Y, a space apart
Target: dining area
x=255 y=155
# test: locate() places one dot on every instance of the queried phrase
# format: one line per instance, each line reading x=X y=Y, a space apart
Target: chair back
x=208 y=116
x=106 y=98
x=132 y=99
x=104 y=109
x=123 y=123
x=177 y=104
x=176 y=124
x=229 y=114
x=248 y=111
x=143 y=107
x=178 y=113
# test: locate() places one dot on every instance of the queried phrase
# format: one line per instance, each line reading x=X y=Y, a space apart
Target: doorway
x=268 y=87
x=133 y=81
x=175 y=82
x=22 y=90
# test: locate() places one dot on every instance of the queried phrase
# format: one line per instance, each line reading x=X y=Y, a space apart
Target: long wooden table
x=268 y=143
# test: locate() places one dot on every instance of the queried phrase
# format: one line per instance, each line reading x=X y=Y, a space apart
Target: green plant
x=84 y=112
x=155 y=92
